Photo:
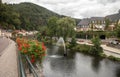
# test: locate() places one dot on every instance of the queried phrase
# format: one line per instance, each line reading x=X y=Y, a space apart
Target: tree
x=43 y=32
x=66 y=27
x=118 y=31
x=8 y=17
x=52 y=27
x=107 y=23
x=96 y=49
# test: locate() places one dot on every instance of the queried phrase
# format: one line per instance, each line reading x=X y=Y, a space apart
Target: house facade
x=93 y=23
x=99 y=23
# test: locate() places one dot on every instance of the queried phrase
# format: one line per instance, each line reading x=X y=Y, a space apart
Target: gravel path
x=8 y=61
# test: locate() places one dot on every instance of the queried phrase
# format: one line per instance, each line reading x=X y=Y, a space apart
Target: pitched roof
x=87 y=21
x=97 y=19
x=84 y=22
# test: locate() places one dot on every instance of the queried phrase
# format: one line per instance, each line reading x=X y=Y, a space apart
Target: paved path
x=8 y=61
x=3 y=44
x=107 y=50
x=111 y=51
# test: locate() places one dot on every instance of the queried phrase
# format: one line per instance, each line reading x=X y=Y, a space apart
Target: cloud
x=77 y=8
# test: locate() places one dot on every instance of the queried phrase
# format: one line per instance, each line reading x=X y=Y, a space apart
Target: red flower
x=20 y=48
x=43 y=48
x=32 y=56
x=25 y=51
x=25 y=44
x=32 y=60
x=43 y=44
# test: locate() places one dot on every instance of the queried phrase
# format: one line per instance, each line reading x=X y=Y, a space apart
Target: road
x=8 y=58
x=4 y=42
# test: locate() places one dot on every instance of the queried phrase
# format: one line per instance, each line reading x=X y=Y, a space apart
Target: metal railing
x=31 y=67
x=21 y=66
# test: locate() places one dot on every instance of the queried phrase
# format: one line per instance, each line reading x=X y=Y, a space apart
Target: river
x=77 y=65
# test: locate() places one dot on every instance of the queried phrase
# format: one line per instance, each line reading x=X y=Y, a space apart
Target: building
x=83 y=25
x=99 y=23
x=93 y=23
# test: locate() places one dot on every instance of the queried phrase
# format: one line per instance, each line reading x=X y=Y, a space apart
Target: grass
x=86 y=49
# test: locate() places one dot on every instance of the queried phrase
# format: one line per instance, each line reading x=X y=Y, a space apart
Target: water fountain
x=61 y=42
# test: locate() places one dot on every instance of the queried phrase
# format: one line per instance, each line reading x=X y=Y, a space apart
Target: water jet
x=61 y=42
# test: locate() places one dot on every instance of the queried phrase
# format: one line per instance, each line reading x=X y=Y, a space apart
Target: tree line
x=58 y=27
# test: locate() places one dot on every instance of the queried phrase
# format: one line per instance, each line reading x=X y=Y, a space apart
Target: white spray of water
x=61 y=42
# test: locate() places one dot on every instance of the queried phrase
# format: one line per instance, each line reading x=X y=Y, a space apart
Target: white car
x=115 y=42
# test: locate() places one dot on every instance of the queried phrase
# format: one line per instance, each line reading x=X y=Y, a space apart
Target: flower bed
x=32 y=48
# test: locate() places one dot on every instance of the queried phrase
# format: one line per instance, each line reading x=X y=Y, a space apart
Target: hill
x=31 y=15
x=114 y=17
x=25 y=15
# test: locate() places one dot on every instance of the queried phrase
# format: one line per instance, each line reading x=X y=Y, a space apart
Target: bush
x=113 y=58
x=81 y=48
x=73 y=42
x=96 y=49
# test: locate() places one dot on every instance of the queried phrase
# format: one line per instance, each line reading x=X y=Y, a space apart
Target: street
x=4 y=42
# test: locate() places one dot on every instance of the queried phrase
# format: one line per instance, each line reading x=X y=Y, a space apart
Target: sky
x=77 y=8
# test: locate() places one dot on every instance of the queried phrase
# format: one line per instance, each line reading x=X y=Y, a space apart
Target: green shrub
x=113 y=58
x=73 y=42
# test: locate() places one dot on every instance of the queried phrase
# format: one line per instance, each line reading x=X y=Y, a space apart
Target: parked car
x=115 y=42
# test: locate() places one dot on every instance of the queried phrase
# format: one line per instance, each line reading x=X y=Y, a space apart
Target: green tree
x=8 y=17
x=43 y=32
x=96 y=49
x=107 y=23
x=66 y=27
x=118 y=31
x=52 y=27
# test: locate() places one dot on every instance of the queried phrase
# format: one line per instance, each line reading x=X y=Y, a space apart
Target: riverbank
x=106 y=49
x=108 y=52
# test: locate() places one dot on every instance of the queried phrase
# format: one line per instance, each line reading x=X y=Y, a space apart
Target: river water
x=77 y=65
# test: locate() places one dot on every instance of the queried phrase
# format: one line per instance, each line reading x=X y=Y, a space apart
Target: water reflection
x=78 y=65
x=118 y=72
x=96 y=64
x=67 y=66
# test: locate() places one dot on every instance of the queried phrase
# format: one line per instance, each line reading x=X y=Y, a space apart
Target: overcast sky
x=77 y=8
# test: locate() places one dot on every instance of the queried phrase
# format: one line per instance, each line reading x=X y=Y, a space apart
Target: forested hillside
x=31 y=15
x=25 y=15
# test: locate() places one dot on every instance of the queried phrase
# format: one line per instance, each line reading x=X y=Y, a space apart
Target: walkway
x=111 y=51
x=8 y=61
x=3 y=44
